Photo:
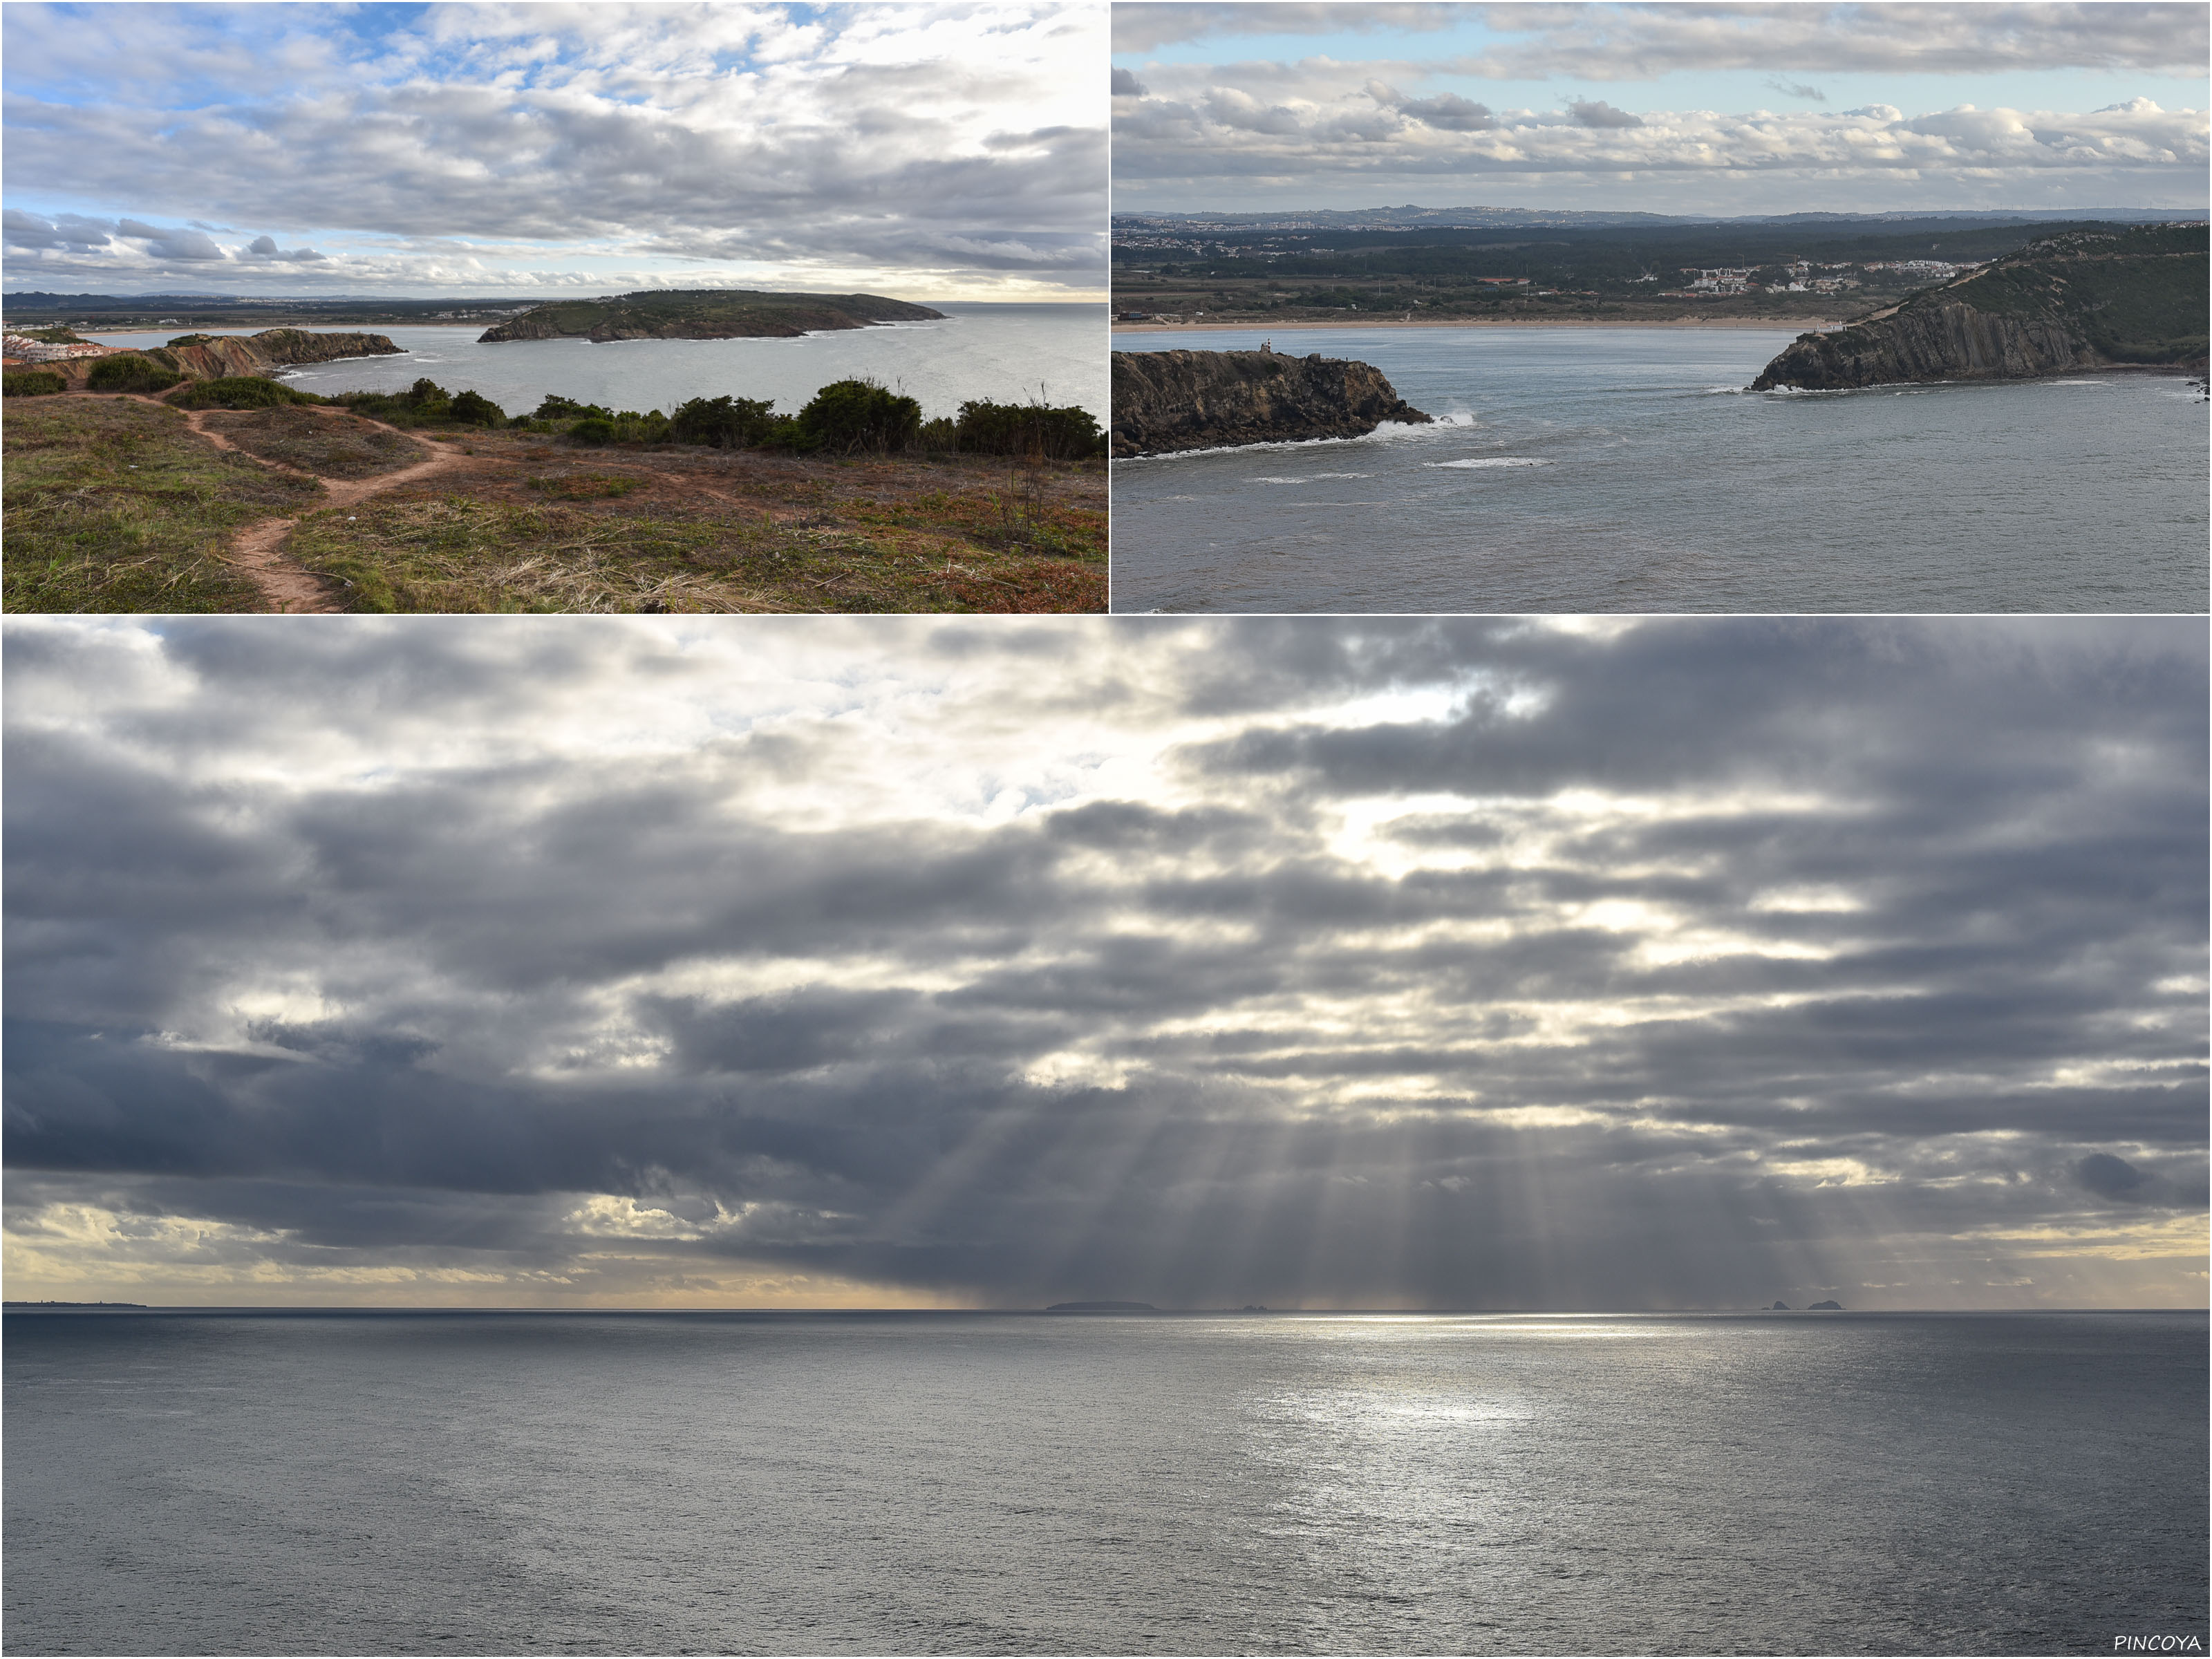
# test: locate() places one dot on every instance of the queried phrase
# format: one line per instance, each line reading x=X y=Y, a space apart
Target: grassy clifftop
x=2132 y=296
x=2086 y=299
x=705 y=314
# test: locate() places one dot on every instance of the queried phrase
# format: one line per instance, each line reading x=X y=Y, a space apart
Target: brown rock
x=1169 y=401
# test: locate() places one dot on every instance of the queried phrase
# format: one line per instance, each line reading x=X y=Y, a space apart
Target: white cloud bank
x=936 y=149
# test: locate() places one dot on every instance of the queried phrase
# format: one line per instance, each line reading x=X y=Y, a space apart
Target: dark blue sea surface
x=1629 y=470
x=235 y=1483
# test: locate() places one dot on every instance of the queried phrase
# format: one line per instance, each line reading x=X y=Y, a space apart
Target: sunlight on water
x=1388 y=1482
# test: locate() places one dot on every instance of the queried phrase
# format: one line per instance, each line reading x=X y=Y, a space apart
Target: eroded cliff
x=215 y=356
x=1168 y=401
x=2083 y=300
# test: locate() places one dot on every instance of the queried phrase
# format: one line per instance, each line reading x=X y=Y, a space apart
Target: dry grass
x=693 y=530
x=327 y=444
x=114 y=505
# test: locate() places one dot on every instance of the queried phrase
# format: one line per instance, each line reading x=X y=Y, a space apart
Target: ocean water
x=1030 y=1484
x=1004 y=353
x=1627 y=470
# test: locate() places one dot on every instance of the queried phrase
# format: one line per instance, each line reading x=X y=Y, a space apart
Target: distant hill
x=705 y=314
x=2082 y=299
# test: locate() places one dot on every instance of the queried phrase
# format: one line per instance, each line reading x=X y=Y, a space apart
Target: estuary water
x=1003 y=353
x=1627 y=470
x=393 y=1483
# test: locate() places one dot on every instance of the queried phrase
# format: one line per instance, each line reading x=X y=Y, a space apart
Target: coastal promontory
x=1169 y=401
x=2132 y=297
x=719 y=314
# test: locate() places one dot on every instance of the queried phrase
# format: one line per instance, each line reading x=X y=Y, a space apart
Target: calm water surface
x=951 y=1482
x=1004 y=353
x=1626 y=469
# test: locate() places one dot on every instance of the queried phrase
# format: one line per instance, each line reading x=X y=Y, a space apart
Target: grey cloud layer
x=1637 y=42
x=1655 y=968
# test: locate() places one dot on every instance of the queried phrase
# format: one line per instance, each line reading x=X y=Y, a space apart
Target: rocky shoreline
x=1168 y=401
x=224 y=356
x=2082 y=301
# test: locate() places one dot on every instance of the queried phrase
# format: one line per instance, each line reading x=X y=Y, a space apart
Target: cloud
x=1797 y=89
x=1447 y=112
x=1596 y=112
x=1127 y=85
x=1146 y=27
x=1324 y=142
x=1642 y=41
x=879 y=142
x=1438 y=962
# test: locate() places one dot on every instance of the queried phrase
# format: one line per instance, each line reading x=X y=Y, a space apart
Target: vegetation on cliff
x=114 y=505
x=2084 y=300
x=1166 y=401
x=123 y=504
x=705 y=314
x=846 y=417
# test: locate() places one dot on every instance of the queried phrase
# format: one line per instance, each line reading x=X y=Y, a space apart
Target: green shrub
x=425 y=403
x=726 y=423
x=567 y=409
x=848 y=415
x=31 y=382
x=239 y=391
x=1033 y=429
x=475 y=409
x=128 y=372
x=593 y=431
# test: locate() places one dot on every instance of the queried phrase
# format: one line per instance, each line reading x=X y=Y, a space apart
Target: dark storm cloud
x=1459 y=962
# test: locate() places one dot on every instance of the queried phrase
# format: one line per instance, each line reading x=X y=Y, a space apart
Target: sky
x=905 y=962
x=1681 y=108
x=929 y=151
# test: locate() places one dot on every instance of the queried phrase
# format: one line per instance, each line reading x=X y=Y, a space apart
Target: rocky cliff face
x=219 y=355
x=2082 y=299
x=1166 y=401
x=1950 y=341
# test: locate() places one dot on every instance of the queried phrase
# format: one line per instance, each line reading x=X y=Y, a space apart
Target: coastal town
x=1415 y=265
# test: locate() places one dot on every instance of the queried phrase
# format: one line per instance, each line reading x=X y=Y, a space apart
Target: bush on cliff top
x=31 y=382
x=425 y=403
x=239 y=391
x=129 y=372
x=1054 y=435
x=847 y=416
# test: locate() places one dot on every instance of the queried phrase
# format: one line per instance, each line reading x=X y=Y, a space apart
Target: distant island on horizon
x=706 y=313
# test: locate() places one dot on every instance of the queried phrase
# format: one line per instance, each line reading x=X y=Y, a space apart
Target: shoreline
x=1801 y=325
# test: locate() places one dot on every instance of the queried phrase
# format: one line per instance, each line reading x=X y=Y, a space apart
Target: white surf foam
x=1493 y=460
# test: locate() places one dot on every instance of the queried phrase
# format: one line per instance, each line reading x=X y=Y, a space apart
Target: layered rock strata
x=1951 y=341
x=1169 y=401
x=220 y=356
x=2084 y=300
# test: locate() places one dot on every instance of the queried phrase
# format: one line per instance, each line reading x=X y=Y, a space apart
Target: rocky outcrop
x=2133 y=295
x=705 y=314
x=1952 y=341
x=220 y=356
x=1168 y=401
